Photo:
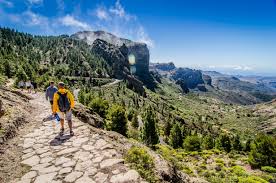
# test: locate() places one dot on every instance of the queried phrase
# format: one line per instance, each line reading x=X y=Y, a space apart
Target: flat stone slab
x=110 y=162
x=85 y=179
x=32 y=161
x=46 y=178
x=130 y=176
x=73 y=176
x=29 y=175
x=67 y=151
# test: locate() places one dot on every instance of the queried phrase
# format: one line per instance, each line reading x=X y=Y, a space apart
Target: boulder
x=87 y=116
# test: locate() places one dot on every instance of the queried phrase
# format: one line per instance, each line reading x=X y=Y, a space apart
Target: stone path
x=84 y=158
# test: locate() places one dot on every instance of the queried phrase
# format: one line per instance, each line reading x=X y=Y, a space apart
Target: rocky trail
x=86 y=157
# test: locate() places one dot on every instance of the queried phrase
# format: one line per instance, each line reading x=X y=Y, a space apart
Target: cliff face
x=139 y=50
x=117 y=58
x=114 y=56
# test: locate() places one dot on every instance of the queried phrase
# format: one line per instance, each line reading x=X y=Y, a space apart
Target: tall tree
x=149 y=131
x=176 y=139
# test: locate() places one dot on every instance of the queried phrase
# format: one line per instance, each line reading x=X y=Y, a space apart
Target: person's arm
x=46 y=94
x=72 y=100
x=55 y=105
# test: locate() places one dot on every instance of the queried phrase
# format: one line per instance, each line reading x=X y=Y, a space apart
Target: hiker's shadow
x=58 y=140
x=48 y=118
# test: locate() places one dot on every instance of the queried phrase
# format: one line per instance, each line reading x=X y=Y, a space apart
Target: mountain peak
x=91 y=36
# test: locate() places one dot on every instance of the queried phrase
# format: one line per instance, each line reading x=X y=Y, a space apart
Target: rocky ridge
x=139 y=50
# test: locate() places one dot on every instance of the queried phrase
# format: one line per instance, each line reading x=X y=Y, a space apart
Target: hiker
x=28 y=86
x=63 y=103
x=21 y=85
x=50 y=91
x=34 y=86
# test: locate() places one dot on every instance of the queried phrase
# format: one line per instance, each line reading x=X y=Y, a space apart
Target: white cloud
x=101 y=13
x=118 y=10
x=33 y=19
x=7 y=3
x=232 y=67
x=37 y=2
x=70 y=21
x=117 y=20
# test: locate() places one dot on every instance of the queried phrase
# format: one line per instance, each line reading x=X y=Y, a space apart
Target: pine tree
x=176 y=139
x=134 y=120
x=263 y=151
x=236 y=143
x=167 y=127
x=149 y=131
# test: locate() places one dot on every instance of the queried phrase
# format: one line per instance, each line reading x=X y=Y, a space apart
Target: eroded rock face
x=139 y=50
x=117 y=58
x=191 y=77
x=114 y=56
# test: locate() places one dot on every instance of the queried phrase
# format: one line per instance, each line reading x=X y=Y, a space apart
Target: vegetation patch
x=141 y=161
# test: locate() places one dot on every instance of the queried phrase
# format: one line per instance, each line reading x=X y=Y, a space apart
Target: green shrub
x=130 y=114
x=192 y=143
x=140 y=160
x=218 y=160
x=134 y=120
x=239 y=171
x=99 y=105
x=268 y=169
x=223 y=142
x=263 y=151
x=251 y=179
x=133 y=133
x=116 y=115
x=236 y=143
x=208 y=142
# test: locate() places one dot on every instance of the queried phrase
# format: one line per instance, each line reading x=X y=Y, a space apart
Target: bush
x=192 y=143
x=263 y=151
x=140 y=160
x=116 y=115
x=130 y=114
x=134 y=120
x=236 y=143
x=268 y=169
x=223 y=142
x=208 y=142
x=251 y=179
x=239 y=171
x=99 y=105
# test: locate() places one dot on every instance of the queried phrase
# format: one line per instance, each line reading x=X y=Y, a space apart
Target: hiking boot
x=71 y=133
x=61 y=132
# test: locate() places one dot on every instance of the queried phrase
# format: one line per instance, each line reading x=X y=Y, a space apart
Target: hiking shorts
x=65 y=115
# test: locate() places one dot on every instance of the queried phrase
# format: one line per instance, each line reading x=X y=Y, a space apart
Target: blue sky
x=237 y=36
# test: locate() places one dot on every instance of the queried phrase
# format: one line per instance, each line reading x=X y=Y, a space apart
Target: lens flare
x=131 y=59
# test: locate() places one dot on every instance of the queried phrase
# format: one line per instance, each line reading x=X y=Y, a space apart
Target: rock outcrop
x=114 y=56
x=139 y=50
x=191 y=77
x=14 y=108
x=163 y=66
x=117 y=58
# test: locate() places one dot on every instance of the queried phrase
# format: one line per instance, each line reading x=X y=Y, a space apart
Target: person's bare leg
x=61 y=127
x=70 y=125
